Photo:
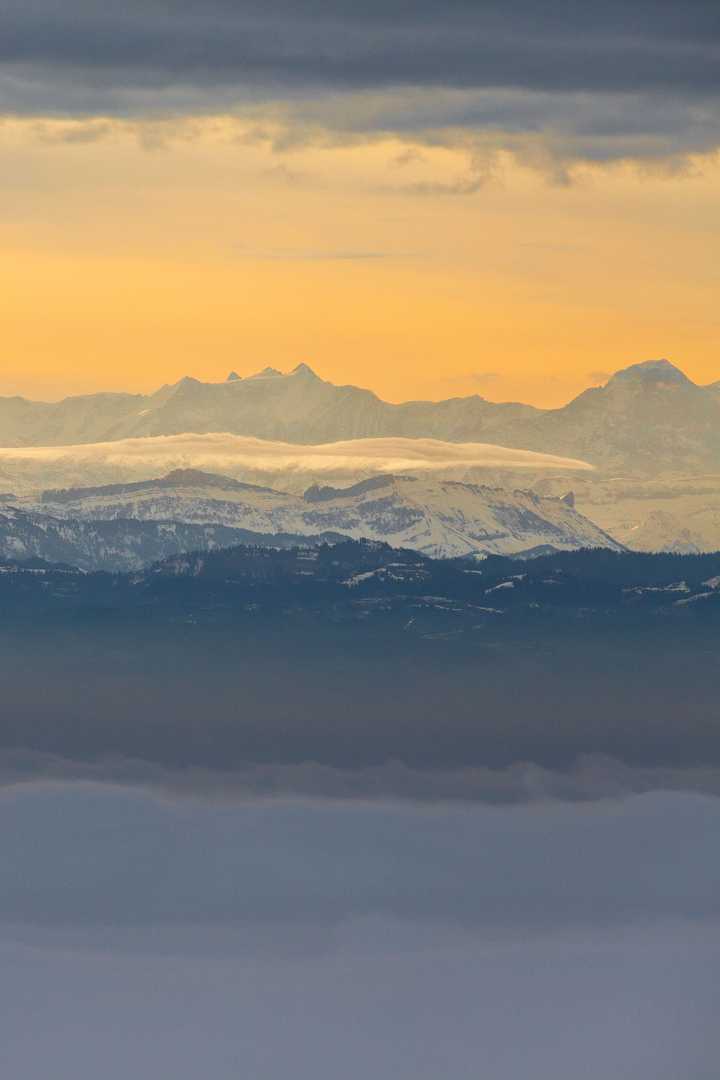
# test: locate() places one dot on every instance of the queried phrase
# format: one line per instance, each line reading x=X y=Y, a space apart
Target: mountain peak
x=304 y=369
x=267 y=373
x=652 y=372
x=185 y=388
x=233 y=377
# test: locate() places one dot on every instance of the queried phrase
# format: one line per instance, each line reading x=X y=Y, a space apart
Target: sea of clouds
x=152 y=935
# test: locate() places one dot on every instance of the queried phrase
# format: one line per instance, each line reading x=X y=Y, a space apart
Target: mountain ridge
x=646 y=418
x=120 y=545
x=437 y=517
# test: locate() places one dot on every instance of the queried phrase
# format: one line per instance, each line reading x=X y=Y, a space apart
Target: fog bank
x=145 y=937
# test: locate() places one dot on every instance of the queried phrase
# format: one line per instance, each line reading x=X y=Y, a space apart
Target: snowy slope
x=438 y=517
x=675 y=512
x=681 y=526
x=119 y=544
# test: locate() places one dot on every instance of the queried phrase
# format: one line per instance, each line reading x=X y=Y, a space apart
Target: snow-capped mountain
x=672 y=512
x=119 y=544
x=683 y=525
x=649 y=417
x=296 y=407
x=437 y=517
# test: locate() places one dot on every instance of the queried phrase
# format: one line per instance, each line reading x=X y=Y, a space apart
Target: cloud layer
x=650 y=45
x=592 y=778
x=152 y=937
x=591 y=82
x=138 y=860
x=247 y=457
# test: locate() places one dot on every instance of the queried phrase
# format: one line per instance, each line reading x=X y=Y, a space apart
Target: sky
x=427 y=199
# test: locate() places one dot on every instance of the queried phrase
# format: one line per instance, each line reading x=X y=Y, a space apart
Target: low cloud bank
x=80 y=855
x=166 y=937
x=243 y=456
x=592 y=778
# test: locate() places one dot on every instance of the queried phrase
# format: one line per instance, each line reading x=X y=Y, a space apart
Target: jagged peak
x=304 y=369
x=233 y=377
x=183 y=387
x=267 y=373
x=652 y=372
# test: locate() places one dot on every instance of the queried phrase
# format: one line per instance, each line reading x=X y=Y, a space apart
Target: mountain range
x=123 y=544
x=440 y=518
x=648 y=417
x=355 y=573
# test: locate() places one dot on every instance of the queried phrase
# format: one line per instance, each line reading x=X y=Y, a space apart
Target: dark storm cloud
x=558 y=46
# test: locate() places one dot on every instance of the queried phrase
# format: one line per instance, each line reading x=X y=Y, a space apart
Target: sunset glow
x=159 y=248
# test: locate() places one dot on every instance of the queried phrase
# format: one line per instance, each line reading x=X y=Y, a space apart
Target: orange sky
x=133 y=254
